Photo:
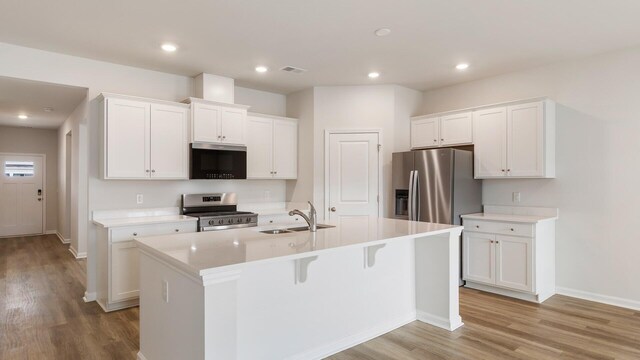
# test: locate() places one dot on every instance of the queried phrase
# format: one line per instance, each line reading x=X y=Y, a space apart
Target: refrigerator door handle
x=410 y=202
x=416 y=197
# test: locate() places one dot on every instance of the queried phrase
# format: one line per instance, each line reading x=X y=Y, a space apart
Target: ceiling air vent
x=294 y=70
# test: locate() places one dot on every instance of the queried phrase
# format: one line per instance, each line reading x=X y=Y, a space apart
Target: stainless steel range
x=217 y=211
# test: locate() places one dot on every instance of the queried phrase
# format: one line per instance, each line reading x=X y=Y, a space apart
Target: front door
x=353 y=166
x=21 y=195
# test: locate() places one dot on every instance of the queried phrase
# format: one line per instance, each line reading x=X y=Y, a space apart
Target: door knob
x=39 y=199
x=333 y=209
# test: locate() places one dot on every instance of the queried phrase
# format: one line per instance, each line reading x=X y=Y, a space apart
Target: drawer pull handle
x=491 y=241
x=497 y=242
x=177 y=230
x=270 y=221
x=135 y=234
x=512 y=229
x=477 y=226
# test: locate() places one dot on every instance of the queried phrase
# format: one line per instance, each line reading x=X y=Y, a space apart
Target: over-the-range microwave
x=215 y=161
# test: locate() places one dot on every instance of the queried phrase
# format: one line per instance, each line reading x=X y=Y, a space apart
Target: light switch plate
x=516 y=197
x=139 y=198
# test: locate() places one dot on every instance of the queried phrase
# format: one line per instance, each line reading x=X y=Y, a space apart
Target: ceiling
x=31 y=97
x=333 y=39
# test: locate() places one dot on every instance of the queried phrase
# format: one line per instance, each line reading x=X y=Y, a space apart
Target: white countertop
x=206 y=252
x=530 y=219
x=142 y=220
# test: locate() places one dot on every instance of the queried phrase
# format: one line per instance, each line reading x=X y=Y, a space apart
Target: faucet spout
x=312 y=219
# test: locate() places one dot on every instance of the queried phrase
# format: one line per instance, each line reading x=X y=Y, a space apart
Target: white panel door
x=425 y=133
x=525 y=140
x=353 y=175
x=127 y=139
x=259 y=147
x=478 y=257
x=490 y=142
x=124 y=271
x=514 y=262
x=169 y=142
x=21 y=195
x=456 y=129
x=233 y=126
x=206 y=123
x=285 y=149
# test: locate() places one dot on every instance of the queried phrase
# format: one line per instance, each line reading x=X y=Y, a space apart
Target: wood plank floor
x=42 y=316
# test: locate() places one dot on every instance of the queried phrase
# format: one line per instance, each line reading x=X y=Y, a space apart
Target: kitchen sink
x=306 y=228
x=276 y=231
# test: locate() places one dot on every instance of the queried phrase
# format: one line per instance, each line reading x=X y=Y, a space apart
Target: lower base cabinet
x=512 y=259
x=118 y=261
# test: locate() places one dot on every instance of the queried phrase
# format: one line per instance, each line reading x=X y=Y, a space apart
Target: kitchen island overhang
x=242 y=294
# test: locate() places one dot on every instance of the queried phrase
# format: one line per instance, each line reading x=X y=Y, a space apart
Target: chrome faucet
x=312 y=219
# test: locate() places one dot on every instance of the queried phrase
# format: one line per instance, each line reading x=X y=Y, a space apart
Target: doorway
x=352 y=174
x=22 y=194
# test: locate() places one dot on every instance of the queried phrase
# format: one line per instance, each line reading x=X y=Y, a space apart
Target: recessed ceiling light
x=22 y=117
x=261 y=69
x=382 y=32
x=373 y=75
x=462 y=66
x=169 y=47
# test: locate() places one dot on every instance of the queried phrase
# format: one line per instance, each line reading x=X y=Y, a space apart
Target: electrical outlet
x=516 y=197
x=165 y=291
x=139 y=199
x=267 y=194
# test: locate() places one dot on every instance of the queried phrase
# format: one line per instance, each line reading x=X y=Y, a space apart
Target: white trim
x=44 y=186
x=62 y=239
x=506 y=292
x=439 y=321
x=89 y=297
x=140 y=356
x=604 y=299
x=327 y=134
x=335 y=347
x=76 y=254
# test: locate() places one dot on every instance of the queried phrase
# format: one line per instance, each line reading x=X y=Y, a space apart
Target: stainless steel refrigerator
x=435 y=185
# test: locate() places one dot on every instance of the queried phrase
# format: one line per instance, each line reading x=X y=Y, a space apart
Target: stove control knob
x=239 y=220
x=248 y=219
x=210 y=222
x=230 y=221
x=220 y=221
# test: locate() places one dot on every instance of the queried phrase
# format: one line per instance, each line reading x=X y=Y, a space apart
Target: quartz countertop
x=142 y=220
x=530 y=219
x=206 y=252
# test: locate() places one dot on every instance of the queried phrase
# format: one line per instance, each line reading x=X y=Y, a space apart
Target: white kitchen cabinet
x=272 y=147
x=515 y=141
x=444 y=130
x=512 y=258
x=143 y=139
x=118 y=261
x=220 y=123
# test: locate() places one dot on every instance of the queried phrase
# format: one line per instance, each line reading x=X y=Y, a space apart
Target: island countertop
x=207 y=252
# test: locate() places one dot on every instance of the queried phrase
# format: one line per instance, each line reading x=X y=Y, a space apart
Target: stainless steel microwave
x=214 y=161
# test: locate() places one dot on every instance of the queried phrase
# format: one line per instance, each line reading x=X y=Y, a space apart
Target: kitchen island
x=245 y=294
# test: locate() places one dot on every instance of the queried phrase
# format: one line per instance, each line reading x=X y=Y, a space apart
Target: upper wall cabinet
x=446 y=130
x=515 y=141
x=143 y=139
x=220 y=123
x=272 y=147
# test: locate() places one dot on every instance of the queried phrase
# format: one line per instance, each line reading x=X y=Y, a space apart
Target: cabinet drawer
x=129 y=232
x=280 y=219
x=496 y=227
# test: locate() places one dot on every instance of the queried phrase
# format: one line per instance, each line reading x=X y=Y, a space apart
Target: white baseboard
x=76 y=254
x=140 y=356
x=506 y=292
x=51 y=232
x=62 y=239
x=439 y=321
x=605 y=299
x=89 y=297
x=351 y=341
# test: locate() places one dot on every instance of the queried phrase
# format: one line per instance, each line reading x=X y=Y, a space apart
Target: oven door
x=211 y=161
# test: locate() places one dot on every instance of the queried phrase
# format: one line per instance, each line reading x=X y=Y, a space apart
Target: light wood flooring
x=42 y=316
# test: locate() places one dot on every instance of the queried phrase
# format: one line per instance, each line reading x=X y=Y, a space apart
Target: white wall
x=300 y=106
x=262 y=101
x=37 y=141
x=596 y=189
x=94 y=193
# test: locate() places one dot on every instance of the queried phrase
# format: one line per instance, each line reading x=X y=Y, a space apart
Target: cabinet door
x=285 y=149
x=233 y=126
x=478 y=257
x=514 y=262
x=206 y=123
x=456 y=129
x=259 y=147
x=127 y=139
x=525 y=140
x=124 y=271
x=490 y=142
x=425 y=133
x=169 y=142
